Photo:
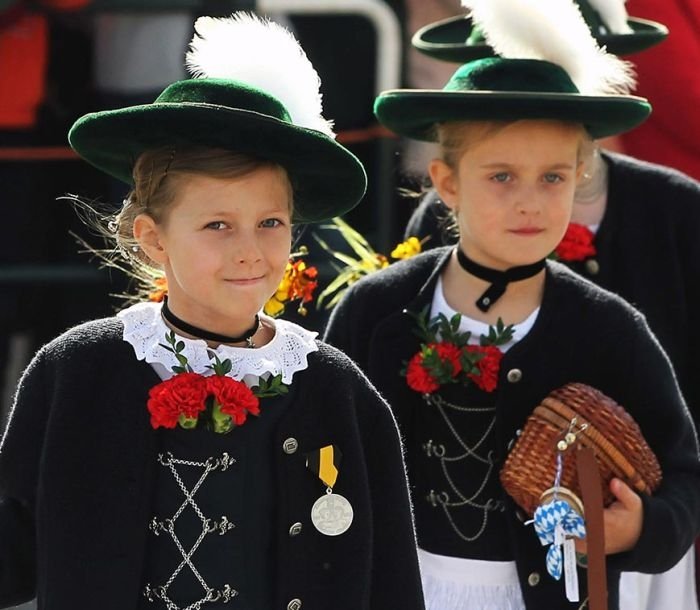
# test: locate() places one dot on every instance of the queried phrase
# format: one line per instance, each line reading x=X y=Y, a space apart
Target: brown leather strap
x=592 y=492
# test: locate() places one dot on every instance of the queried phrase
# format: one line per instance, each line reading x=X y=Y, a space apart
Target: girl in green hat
x=466 y=341
x=634 y=231
x=198 y=454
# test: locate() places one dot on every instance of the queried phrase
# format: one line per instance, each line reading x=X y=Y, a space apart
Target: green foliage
x=368 y=261
x=500 y=335
x=442 y=329
x=439 y=328
x=220 y=367
x=187 y=422
x=177 y=347
x=218 y=421
x=272 y=386
x=441 y=370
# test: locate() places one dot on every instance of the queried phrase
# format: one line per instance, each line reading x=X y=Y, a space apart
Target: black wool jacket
x=648 y=252
x=77 y=468
x=582 y=334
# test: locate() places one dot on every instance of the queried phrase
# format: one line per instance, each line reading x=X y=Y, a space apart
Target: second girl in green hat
x=466 y=341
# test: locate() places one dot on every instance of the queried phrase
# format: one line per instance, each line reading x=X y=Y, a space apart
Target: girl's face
x=223 y=244
x=512 y=191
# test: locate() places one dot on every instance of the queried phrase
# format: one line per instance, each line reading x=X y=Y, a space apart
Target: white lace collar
x=284 y=355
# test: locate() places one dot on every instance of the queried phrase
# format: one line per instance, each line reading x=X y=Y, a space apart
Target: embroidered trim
x=285 y=355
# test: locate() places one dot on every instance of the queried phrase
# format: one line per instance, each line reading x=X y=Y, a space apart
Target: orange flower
x=160 y=290
x=298 y=282
x=302 y=281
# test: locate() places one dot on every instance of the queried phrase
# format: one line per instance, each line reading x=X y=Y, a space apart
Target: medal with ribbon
x=331 y=514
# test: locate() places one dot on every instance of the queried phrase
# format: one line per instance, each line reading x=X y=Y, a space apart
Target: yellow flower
x=407 y=249
x=374 y=263
x=285 y=285
x=273 y=307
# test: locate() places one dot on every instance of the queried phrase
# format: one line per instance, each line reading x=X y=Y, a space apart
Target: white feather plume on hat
x=262 y=54
x=555 y=31
x=614 y=15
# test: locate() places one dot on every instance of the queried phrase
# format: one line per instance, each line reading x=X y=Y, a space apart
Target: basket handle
x=591 y=490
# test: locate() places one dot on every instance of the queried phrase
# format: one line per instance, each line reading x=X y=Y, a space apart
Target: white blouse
x=285 y=354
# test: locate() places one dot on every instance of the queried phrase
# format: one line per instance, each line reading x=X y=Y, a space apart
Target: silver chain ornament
x=209 y=526
x=443 y=499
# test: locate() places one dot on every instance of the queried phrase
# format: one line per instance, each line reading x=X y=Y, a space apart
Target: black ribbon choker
x=499 y=279
x=200 y=333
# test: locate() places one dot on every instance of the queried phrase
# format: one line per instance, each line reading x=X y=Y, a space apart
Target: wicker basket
x=601 y=424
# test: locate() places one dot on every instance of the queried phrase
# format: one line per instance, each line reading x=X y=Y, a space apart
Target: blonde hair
x=456 y=137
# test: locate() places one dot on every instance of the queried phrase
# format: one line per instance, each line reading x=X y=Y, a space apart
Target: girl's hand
x=622 y=520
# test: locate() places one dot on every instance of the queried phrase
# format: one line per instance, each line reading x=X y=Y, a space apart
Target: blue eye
x=270 y=223
x=553 y=178
x=501 y=177
x=217 y=225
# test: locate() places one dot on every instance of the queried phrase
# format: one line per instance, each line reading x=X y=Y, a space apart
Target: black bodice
x=223 y=505
x=457 y=497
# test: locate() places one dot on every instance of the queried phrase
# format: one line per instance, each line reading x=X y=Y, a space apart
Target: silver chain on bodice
x=461 y=499
x=209 y=527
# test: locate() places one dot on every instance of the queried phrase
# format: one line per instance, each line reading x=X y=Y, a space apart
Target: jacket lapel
x=103 y=514
x=136 y=478
x=395 y=342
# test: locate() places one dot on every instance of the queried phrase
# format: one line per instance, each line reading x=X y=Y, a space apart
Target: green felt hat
x=328 y=179
x=457 y=40
x=500 y=89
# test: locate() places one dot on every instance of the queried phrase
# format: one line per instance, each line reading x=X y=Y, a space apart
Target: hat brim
x=414 y=113
x=446 y=40
x=328 y=179
x=645 y=34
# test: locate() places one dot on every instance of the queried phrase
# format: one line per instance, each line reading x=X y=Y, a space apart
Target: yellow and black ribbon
x=325 y=464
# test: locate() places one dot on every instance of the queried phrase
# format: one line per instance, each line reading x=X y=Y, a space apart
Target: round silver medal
x=332 y=514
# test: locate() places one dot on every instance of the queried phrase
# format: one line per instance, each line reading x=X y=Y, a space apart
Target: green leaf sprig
x=176 y=346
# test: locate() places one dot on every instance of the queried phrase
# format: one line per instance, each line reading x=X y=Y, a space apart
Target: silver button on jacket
x=533 y=579
x=592 y=266
x=514 y=375
x=295 y=530
x=290 y=446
